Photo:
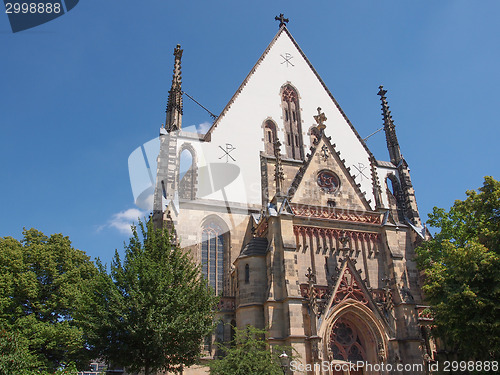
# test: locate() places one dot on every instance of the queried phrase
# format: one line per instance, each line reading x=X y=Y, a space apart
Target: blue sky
x=80 y=93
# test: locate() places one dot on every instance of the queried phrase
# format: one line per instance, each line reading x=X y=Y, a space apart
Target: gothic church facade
x=298 y=227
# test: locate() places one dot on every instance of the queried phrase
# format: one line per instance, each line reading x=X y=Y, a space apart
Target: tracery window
x=212 y=255
x=345 y=342
x=187 y=173
x=395 y=197
x=293 y=128
x=269 y=137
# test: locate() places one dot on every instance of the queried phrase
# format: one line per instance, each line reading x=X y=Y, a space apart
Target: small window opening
x=247 y=273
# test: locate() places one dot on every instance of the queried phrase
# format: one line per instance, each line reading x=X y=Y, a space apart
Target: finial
x=178 y=51
x=311 y=277
x=278 y=169
x=320 y=119
x=282 y=19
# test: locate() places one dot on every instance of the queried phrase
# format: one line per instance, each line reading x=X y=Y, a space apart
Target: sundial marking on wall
x=286 y=59
x=229 y=148
x=361 y=167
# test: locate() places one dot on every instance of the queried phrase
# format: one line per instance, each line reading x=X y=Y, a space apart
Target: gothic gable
x=284 y=90
x=350 y=287
x=324 y=180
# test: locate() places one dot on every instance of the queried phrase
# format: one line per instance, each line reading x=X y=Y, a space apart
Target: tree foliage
x=249 y=354
x=42 y=283
x=462 y=273
x=15 y=357
x=153 y=310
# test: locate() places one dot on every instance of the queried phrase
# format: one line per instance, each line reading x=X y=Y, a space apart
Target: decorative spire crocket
x=282 y=19
x=174 y=104
x=390 y=129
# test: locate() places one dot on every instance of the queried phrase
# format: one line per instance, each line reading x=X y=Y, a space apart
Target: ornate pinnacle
x=282 y=19
x=390 y=129
x=278 y=169
x=174 y=104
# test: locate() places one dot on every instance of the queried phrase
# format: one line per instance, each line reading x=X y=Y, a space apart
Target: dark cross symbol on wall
x=282 y=19
x=361 y=167
x=229 y=148
x=287 y=59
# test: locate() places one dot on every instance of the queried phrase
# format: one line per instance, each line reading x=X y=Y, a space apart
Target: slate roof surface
x=256 y=246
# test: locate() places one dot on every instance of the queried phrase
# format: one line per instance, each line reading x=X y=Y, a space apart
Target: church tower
x=297 y=226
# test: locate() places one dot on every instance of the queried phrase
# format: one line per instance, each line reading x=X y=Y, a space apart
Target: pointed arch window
x=345 y=342
x=187 y=173
x=269 y=136
x=293 y=127
x=395 y=197
x=212 y=255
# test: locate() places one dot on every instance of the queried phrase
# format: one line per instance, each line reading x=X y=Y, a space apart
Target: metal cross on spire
x=282 y=19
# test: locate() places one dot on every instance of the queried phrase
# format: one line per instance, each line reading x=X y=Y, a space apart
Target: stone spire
x=278 y=169
x=390 y=129
x=174 y=105
x=409 y=206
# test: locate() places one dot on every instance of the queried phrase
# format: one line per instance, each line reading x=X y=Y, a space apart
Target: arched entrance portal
x=353 y=336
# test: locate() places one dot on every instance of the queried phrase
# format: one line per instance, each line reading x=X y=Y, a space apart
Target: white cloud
x=203 y=127
x=124 y=219
x=200 y=128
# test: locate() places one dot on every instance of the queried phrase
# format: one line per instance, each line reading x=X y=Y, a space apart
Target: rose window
x=328 y=181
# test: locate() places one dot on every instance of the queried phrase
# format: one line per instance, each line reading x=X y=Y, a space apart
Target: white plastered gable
x=258 y=99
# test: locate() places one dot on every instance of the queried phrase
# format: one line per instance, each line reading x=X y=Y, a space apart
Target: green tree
x=42 y=283
x=249 y=354
x=15 y=357
x=154 y=309
x=462 y=273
